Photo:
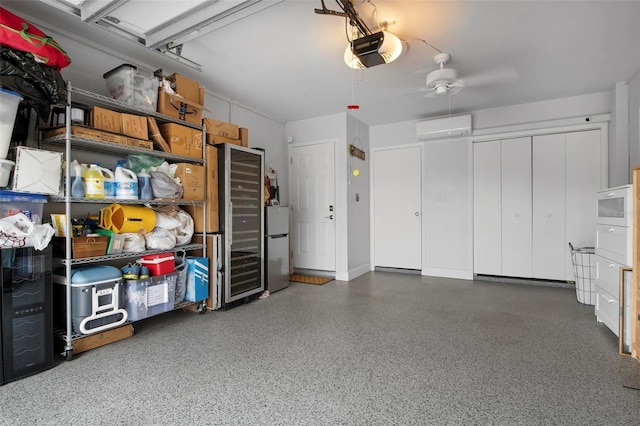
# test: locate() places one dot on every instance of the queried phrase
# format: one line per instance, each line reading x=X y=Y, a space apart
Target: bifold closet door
x=549 y=240
x=487 y=212
x=583 y=180
x=516 y=207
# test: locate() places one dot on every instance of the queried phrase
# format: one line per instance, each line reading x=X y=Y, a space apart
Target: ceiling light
x=377 y=48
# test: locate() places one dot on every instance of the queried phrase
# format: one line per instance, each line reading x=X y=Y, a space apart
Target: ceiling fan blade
x=425 y=70
x=502 y=75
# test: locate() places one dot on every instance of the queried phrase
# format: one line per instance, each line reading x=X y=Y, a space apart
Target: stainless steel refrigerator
x=276 y=246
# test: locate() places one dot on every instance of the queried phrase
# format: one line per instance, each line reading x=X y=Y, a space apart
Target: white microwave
x=615 y=206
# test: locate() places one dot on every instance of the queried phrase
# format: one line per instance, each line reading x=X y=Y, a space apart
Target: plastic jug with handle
x=109 y=183
x=126 y=183
x=144 y=186
x=94 y=182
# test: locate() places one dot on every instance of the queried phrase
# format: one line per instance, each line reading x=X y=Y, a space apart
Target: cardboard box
x=139 y=143
x=187 y=88
x=183 y=140
x=37 y=171
x=180 y=108
x=87 y=133
x=216 y=140
x=220 y=128
x=213 y=219
x=244 y=136
x=135 y=126
x=192 y=179
x=105 y=119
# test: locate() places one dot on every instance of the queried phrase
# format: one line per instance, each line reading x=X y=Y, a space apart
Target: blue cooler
x=97 y=298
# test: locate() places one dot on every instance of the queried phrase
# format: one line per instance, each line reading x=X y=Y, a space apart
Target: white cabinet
x=614 y=249
x=532 y=196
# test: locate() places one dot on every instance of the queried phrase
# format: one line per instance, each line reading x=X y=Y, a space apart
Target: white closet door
x=549 y=241
x=583 y=179
x=397 y=209
x=516 y=207
x=487 y=212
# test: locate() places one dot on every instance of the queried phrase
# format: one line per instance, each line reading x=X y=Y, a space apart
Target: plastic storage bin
x=584 y=268
x=151 y=296
x=159 y=264
x=19 y=202
x=97 y=298
x=125 y=83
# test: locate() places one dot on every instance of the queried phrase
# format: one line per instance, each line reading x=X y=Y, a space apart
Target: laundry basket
x=584 y=269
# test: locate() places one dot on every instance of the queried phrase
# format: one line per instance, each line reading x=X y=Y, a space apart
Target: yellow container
x=93 y=182
x=124 y=218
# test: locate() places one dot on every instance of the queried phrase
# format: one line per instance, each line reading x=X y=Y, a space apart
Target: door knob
x=330 y=217
x=417 y=213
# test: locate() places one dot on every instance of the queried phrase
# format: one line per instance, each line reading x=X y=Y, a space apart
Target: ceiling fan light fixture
x=390 y=49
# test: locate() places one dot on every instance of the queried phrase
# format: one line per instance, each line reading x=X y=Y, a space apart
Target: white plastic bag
x=133 y=242
x=160 y=239
x=184 y=232
x=18 y=231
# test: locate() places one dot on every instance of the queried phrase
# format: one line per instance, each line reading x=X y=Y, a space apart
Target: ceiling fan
x=445 y=81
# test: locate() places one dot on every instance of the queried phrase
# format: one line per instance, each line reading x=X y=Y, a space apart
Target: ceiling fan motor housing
x=442 y=77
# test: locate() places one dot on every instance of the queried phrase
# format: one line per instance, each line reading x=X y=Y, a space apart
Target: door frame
x=423 y=201
x=339 y=218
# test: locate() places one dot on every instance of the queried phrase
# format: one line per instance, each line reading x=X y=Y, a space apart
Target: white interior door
x=583 y=177
x=312 y=176
x=397 y=208
x=516 y=207
x=549 y=241
x=487 y=211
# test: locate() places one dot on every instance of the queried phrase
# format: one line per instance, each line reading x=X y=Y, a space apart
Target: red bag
x=19 y=34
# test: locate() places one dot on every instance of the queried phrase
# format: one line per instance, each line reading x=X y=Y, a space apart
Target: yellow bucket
x=125 y=218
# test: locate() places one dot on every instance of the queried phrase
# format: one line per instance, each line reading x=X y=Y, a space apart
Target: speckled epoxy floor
x=382 y=349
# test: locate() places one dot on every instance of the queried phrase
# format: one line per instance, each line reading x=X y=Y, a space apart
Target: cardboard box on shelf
x=244 y=136
x=139 y=143
x=220 y=128
x=87 y=133
x=211 y=173
x=180 y=108
x=105 y=119
x=192 y=178
x=135 y=126
x=186 y=87
x=216 y=140
x=183 y=140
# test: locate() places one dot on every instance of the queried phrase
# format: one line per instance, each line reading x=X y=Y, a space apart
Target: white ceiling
x=287 y=62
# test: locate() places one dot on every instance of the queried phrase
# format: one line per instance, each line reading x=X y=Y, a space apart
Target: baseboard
x=448 y=273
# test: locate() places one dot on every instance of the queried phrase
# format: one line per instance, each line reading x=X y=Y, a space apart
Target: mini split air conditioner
x=443 y=128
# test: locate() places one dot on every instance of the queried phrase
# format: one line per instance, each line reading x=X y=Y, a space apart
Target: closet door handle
x=610 y=230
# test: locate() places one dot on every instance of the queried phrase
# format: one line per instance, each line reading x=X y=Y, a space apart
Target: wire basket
x=584 y=269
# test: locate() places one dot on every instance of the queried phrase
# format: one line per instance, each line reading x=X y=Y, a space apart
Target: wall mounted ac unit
x=441 y=128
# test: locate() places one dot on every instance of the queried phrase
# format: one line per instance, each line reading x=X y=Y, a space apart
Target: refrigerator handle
x=229 y=232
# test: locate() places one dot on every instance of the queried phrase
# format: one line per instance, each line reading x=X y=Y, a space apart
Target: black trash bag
x=39 y=84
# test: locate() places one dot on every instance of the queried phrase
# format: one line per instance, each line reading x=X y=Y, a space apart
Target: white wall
x=634 y=121
x=358 y=200
x=619 y=172
x=449 y=171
